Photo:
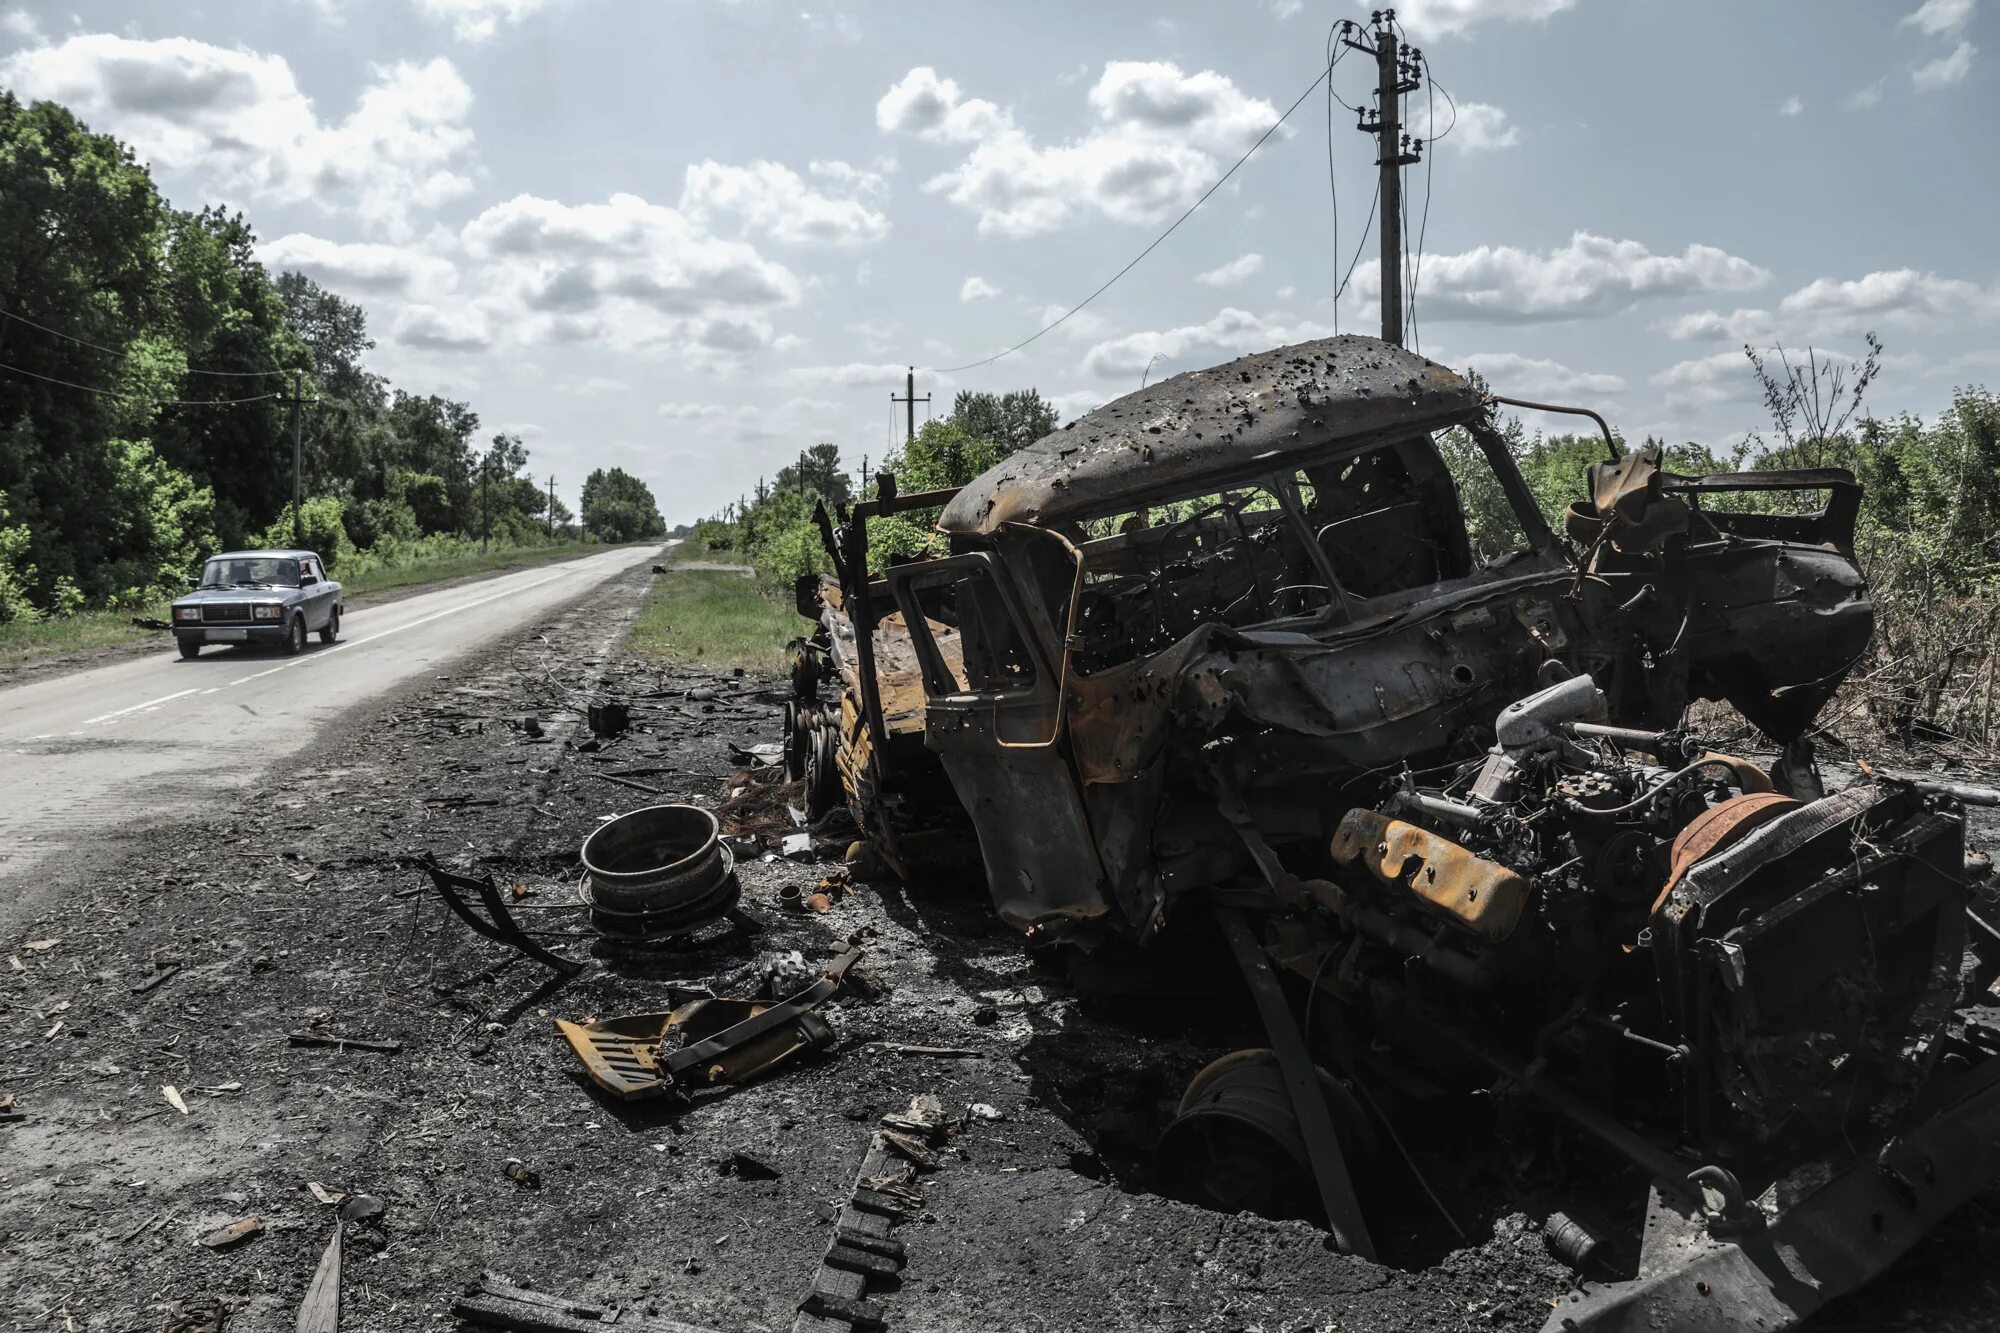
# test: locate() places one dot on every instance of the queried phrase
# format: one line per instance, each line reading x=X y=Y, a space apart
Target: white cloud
x=1792 y=105
x=1861 y=99
x=567 y=257
x=852 y=375
x=1230 y=333
x=976 y=288
x=697 y=411
x=1161 y=137
x=1738 y=326
x=20 y=23
x=1945 y=71
x=1284 y=9
x=1478 y=126
x=638 y=275
x=1938 y=16
x=476 y=20
x=239 y=120
x=1893 y=298
x=1511 y=373
x=1589 y=277
x=1723 y=377
x=1233 y=272
x=931 y=108
x=463 y=328
x=772 y=199
x=1435 y=18
x=1069 y=406
x=364 y=268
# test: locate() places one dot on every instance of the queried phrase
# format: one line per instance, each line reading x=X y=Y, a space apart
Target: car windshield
x=261 y=571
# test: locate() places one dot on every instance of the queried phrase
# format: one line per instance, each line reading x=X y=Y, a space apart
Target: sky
x=690 y=237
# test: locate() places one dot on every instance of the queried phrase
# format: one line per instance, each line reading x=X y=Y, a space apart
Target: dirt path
x=186 y=961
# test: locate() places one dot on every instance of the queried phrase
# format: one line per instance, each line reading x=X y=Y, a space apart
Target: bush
x=321 y=529
x=16 y=574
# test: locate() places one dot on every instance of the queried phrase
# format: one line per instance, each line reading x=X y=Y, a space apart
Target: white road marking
x=165 y=698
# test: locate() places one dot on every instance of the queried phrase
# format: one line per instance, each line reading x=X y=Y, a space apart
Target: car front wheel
x=190 y=648
x=331 y=629
x=295 y=637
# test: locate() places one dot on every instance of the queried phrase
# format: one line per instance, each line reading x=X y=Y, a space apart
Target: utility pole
x=485 y=513
x=1398 y=70
x=910 y=397
x=298 y=457
x=552 y=506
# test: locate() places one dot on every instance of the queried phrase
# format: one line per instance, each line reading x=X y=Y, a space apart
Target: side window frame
x=906 y=581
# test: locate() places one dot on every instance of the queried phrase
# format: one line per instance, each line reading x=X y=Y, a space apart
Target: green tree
x=618 y=507
x=1009 y=421
x=816 y=473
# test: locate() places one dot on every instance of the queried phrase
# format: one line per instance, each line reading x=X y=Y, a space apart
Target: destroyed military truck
x=1231 y=657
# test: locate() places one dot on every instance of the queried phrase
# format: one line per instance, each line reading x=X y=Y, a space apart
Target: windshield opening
x=1242 y=557
x=251 y=572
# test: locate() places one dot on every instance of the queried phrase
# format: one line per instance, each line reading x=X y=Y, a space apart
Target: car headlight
x=187 y=613
x=266 y=612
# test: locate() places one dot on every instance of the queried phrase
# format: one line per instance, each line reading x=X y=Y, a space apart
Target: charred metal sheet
x=1484 y=897
x=1833 y=1231
x=705 y=1042
x=1208 y=427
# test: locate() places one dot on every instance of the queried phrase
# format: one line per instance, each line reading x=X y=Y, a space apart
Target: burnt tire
x=190 y=648
x=295 y=636
x=330 y=632
x=1235 y=1145
x=823 y=791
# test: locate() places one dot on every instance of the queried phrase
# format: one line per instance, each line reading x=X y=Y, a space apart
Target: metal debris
x=236 y=1232
x=658 y=873
x=490 y=918
x=498 y=1304
x=861 y=1251
x=706 y=1042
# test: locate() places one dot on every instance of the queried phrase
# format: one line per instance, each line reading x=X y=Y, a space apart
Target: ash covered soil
x=187 y=958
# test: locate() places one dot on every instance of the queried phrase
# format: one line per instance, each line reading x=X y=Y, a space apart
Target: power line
x=121 y=354
x=974 y=365
x=115 y=393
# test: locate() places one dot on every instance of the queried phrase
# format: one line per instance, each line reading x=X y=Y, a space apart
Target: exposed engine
x=1679 y=937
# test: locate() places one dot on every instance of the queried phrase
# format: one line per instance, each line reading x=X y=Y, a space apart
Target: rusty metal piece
x=1716 y=828
x=705 y=1042
x=491 y=1303
x=239 y=1230
x=658 y=872
x=1485 y=897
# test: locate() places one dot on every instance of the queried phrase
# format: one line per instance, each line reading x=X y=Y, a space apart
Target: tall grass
x=715 y=618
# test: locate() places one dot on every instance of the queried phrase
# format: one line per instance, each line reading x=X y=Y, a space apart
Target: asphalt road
x=85 y=753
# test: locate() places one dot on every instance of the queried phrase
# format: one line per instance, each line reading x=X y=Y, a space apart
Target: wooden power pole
x=298 y=458
x=1398 y=70
x=552 y=506
x=910 y=397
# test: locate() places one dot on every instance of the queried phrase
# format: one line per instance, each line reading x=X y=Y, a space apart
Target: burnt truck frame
x=1222 y=657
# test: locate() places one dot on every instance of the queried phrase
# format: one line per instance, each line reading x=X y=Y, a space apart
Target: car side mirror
x=194 y=581
x=307 y=580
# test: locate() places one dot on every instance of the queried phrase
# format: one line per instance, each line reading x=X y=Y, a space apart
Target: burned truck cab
x=1285 y=656
x=1192 y=621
